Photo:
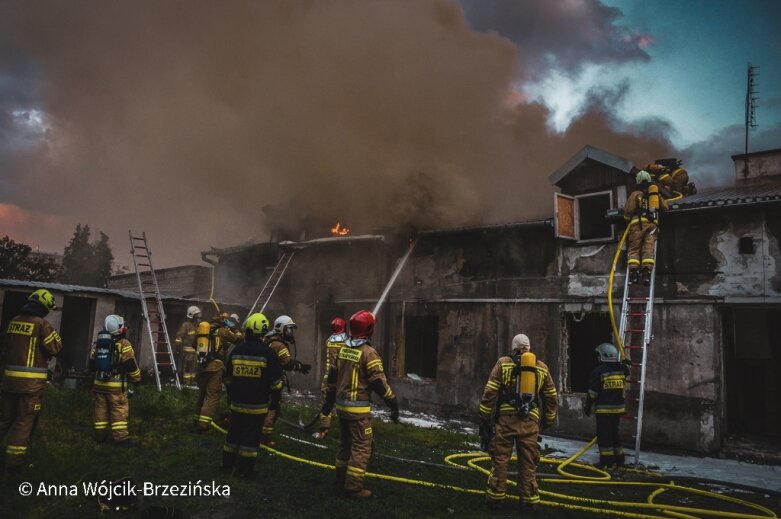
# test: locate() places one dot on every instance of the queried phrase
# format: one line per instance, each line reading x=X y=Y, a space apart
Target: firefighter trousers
x=610 y=450
x=521 y=432
x=241 y=444
x=18 y=418
x=325 y=421
x=268 y=423
x=111 y=412
x=355 y=449
x=187 y=367
x=210 y=390
x=640 y=251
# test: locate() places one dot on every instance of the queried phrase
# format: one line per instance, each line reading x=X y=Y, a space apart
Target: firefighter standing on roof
x=210 y=351
x=30 y=342
x=254 y=380
x=606 y=390
x=358 y=372
x=279 y=339
x=642 y=211
x=114 y=363
x=185 y=345
x=518 y=397
x=332 y=347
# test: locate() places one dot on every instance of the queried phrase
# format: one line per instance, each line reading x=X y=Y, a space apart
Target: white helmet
x=521 y=343
x=192 y=311
x=236 y=319
x=282 y=322
x=114 y=324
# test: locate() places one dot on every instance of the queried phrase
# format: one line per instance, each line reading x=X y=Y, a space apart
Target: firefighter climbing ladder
x=272 y=282
x=152 y=305
x=635 y=333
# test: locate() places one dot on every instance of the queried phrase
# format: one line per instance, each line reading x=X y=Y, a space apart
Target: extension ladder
x=635 y=331
x=272 y=282
x=152 y=305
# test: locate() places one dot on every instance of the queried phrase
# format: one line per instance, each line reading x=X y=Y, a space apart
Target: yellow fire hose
x=566 y=501
x=211 y=294
x=619 y=340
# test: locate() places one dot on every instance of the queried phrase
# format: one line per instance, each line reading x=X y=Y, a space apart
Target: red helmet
x=338 y=325
x=362 y=324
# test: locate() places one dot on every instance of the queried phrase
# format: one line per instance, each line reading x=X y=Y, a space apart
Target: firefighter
x=210 y=370
x=254 y=380
x=185 y=345
x=114 y=363
x=642 y=212
x=518 y=399
x=332 y=347
x=358 y=372
x=606 y=390
x=30 y=342
x=279 y=339
x=673 y=180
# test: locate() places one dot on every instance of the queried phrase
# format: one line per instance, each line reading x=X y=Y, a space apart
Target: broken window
x=582 y=217
x=421 y=341
x=586 y=331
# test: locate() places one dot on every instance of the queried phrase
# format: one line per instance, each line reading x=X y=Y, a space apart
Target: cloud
x=188 y=119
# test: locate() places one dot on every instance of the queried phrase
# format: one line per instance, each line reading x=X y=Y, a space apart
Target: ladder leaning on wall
x=272 y=282
x=152 y=306
x=635 y=331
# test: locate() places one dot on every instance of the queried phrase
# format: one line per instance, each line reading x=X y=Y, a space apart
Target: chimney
x=761 y=164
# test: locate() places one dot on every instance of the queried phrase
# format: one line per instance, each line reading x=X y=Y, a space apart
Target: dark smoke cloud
x=566 y=34
x=186 y=119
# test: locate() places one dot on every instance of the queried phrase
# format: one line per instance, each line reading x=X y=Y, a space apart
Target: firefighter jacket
x=30 y=342
x=185 y=337
x=606 y=387
x=222 y=338
x=280 y=347
x=504 y=383
x=358 y=372
x=332 y=347
x=127 y=369
x=252 y=374
x=636 y=208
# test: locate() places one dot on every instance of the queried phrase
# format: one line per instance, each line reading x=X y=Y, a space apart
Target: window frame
x=600 y=239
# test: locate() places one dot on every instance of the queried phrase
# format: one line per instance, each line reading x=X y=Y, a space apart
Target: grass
x=168 y=452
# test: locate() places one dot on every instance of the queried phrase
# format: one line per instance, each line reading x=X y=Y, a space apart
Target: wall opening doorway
x=586 y=331
x=76 y=332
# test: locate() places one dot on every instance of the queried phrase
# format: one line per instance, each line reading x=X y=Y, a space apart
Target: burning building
x=464 y=293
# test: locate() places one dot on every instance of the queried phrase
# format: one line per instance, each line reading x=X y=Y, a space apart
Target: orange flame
x=340 y=230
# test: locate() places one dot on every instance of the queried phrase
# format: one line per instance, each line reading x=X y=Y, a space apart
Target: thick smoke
x=187 y=119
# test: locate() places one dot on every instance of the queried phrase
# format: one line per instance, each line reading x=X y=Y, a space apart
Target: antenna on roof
x=751 y=108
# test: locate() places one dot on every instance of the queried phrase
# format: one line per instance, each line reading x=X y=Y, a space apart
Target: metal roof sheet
x=730 y=196
x=590 y=152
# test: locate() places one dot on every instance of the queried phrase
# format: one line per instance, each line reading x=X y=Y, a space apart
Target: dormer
x=590 y=183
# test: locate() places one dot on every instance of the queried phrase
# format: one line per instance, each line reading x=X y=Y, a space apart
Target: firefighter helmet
x=338 y=325
x=282 y=323
x=193 y=311
x=643 y=176
x=521 y=343
x=115 y=324
x=607 y=352
x=362 y=325
x=236 y=319
x=256 y=324
x=44 y=297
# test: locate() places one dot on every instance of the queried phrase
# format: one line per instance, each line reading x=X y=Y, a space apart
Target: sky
x=209 y=124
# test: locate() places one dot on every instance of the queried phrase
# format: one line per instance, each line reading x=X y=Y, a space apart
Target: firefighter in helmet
x=210 y=352
x=279 y=339
x=519 y=399
x=253 y=377
x=30 y=342
x=114 y=363
x=606 y=390
x=642 y=210
x=332 y=347
x=357 y=373
x=185 y=345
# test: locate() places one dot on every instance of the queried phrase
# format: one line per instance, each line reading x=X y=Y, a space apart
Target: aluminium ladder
x=152 y=305
x=272 y=282
x=635 y=331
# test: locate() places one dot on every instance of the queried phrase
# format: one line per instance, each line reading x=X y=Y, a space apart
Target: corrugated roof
x=731 y=196
x=489 y=227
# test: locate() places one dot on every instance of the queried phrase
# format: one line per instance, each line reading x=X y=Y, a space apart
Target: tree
x=18 y=262
x=86 y=263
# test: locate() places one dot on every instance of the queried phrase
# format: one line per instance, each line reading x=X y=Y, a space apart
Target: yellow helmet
x=44 y=297
x=256 y=324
